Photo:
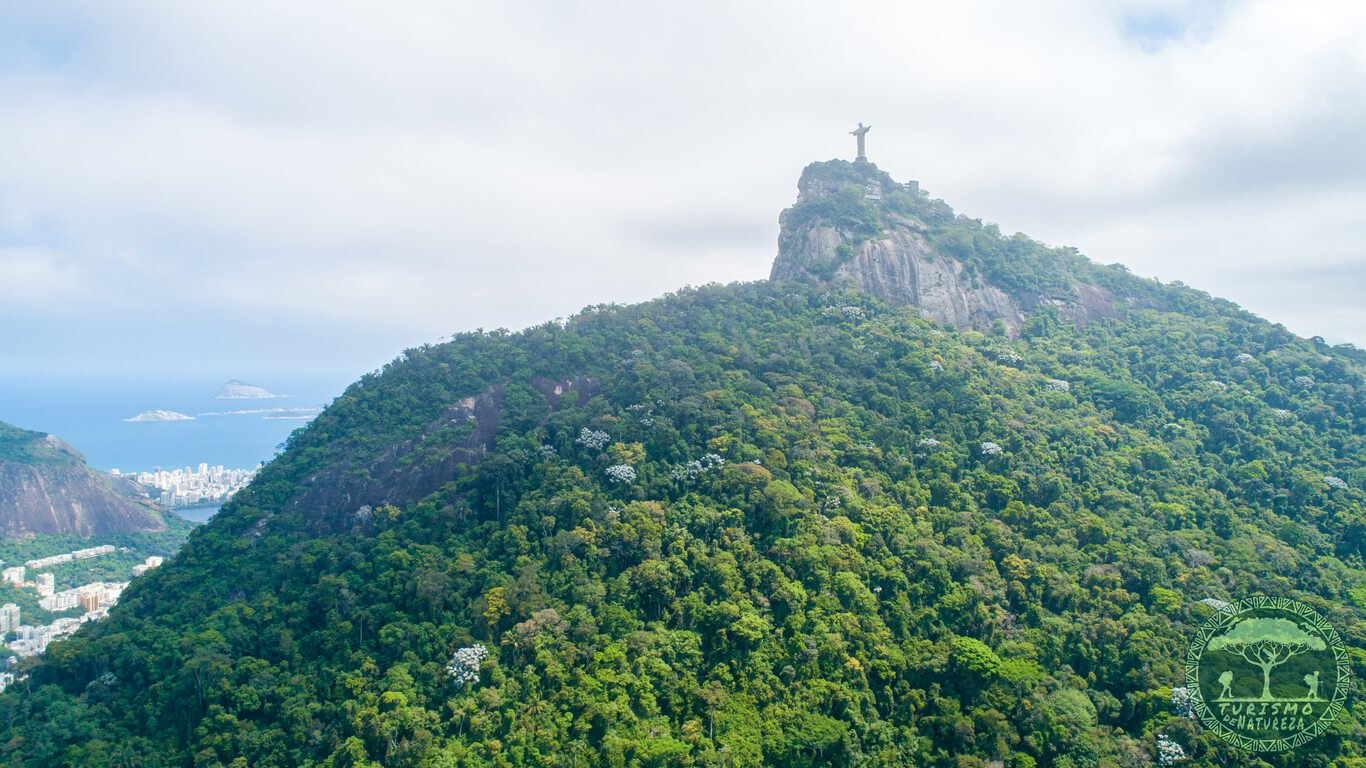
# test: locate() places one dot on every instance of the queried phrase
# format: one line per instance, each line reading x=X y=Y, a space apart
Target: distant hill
x=160 y=415
x=241 y=390
x=934 y=496
x=46 y=487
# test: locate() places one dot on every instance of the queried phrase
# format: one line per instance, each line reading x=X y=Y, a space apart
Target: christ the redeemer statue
x=860 y=132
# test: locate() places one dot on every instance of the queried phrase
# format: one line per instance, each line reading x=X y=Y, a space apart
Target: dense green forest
x=25 y=446
x=766 y=524
x=771 y=524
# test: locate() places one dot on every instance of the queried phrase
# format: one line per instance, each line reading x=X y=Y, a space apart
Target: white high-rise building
x=60 y=601
x=154 y=561
x=9 y=618
x=46 y=584
x=14 y=575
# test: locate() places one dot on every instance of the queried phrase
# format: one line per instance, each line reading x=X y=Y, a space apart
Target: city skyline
x=184 y=486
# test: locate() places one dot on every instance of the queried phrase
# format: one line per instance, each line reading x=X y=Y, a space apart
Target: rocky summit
x=46 y=487
x=853 y=224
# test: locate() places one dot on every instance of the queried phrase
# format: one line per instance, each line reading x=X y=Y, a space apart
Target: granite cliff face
x=902 y=267
x=346 y=493
x=46 y=487
x=852 y=224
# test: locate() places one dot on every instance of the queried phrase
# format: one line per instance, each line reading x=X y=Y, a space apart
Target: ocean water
x=198 y=514
x=90 y=412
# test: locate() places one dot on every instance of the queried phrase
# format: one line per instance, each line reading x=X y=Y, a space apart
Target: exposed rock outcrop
x=902 y=268
x=342 y=496
x=853 y=225
x=46 y=487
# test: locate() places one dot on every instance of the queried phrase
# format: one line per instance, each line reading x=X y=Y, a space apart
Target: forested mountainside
x=776 y=524
x=47 y=488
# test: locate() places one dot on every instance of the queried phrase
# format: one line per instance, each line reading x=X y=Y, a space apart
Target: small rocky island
x=241 y=390
x=160 y=415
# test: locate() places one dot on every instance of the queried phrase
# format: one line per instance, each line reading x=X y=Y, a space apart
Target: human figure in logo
x=1226 y=680
x=1312 y=680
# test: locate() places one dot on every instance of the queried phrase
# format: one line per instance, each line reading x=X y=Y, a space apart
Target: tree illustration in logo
x=1266 y=644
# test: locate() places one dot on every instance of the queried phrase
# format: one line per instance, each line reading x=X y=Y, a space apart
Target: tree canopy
x=813 y=561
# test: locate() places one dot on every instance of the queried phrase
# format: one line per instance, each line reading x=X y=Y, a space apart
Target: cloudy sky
x=312 y=186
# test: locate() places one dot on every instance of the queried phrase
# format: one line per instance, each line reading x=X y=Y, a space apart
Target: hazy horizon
x=199 y=187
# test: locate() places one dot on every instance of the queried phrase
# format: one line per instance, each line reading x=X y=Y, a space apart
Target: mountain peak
x=46 y=487
x=854 y=224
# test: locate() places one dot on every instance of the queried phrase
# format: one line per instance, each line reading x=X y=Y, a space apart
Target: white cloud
x=37 y=279
x=430 y=167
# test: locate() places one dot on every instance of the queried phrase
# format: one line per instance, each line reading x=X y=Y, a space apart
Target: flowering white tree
x=621 y=473
x=1335 y=482
x=694 y=469
x=1058 y=385
x=595 y=439
x=1169 y=753
x=991 y=449
x=464 y=665
x=642 y=412
x=1182 y=702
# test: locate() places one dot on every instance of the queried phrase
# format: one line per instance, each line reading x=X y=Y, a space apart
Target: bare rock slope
x=46 y=487
x=853 y=225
